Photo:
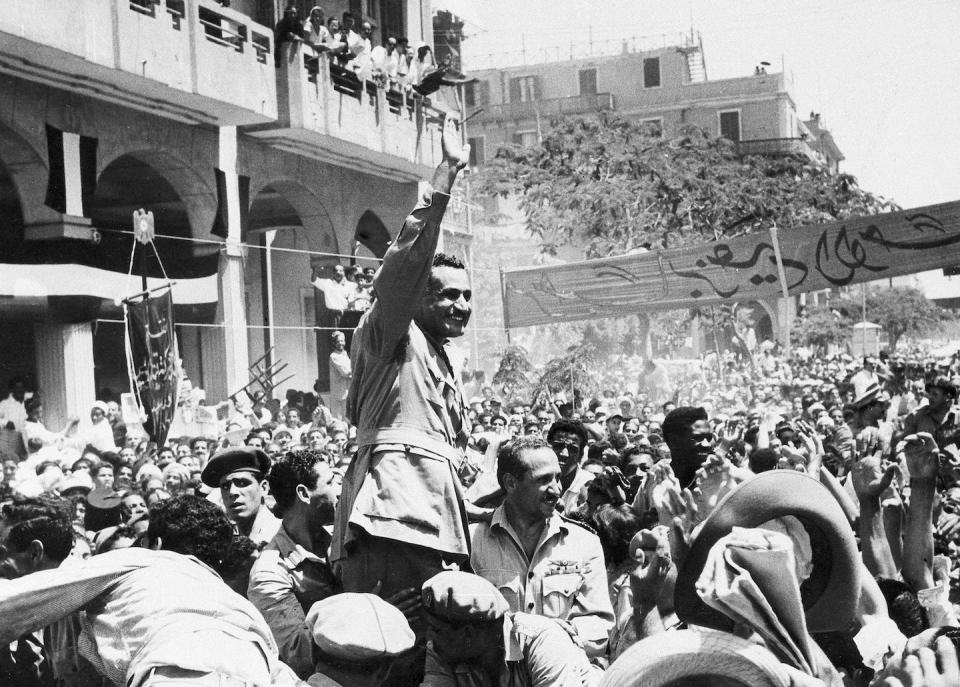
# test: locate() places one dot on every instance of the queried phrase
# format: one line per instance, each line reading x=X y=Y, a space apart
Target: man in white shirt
x=337 y=292
x=195 y=631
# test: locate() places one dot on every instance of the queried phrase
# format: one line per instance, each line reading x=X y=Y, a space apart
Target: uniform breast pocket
x=509 y=584
x=559 y=592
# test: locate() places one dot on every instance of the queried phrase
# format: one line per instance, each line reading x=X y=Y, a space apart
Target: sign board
x=759 y=265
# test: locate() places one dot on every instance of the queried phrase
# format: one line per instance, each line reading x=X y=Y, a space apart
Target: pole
x=269 y=333
x=142 y=266
x=863 y=317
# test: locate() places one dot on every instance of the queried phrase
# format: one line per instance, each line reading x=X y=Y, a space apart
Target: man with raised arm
x=401 y=514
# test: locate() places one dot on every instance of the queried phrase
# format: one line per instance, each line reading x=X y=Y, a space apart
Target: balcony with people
x=191 y=60
x=344 y=98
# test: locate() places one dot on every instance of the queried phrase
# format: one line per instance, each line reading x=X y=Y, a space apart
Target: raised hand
x=871 y=478
x=651 y=550
x=923 y=457
x=713 y=481
x=454 y=153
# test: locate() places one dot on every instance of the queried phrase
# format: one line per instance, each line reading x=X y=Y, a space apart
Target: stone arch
x=26 y=167
x=173 y=176
x=285 y=203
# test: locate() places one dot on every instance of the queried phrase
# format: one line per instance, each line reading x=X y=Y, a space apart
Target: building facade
x=665 y=86
x=256 y=172
x=661 y=82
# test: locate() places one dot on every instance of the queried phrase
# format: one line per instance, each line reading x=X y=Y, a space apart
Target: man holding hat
x=940 y=417
x=474 y=640
x=240 y=475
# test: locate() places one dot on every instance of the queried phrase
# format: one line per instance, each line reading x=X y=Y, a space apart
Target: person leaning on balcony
x=314 y=31
x=289 y=30
x=402 y=513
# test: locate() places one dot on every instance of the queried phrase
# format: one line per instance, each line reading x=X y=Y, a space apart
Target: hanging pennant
x=152 y=361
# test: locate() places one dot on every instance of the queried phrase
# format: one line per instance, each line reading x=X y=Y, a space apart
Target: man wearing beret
x=543 y=563
x=401 y=512
x=940 y=417
x=240 y=475
x=475 y=640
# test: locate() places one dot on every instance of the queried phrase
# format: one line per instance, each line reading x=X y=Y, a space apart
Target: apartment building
x=662 y=82
x=255 y=172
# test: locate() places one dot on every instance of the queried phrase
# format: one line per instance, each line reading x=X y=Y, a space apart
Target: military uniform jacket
x=406 y=400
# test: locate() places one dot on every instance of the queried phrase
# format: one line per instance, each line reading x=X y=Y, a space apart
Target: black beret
x=232 y=460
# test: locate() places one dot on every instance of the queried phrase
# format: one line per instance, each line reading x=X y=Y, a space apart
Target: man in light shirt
x=194 y=632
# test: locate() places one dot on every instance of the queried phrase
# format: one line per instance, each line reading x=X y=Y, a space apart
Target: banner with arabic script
x=744 y=268
x=153 y=362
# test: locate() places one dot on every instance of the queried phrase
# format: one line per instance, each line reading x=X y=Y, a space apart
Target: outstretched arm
x=406 y=267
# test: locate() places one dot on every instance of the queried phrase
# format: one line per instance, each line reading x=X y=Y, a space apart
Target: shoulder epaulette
x=579 y=523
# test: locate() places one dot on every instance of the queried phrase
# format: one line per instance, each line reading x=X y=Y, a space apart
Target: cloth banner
x=153 y=362
x=760 y=265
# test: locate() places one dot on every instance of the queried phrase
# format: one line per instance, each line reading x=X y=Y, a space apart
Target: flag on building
x=73 y=171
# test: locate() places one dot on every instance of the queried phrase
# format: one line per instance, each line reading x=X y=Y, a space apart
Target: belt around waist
x=407 y=437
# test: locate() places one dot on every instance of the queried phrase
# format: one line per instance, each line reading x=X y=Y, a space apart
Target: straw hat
x=701 y=657
x=870 y=393
x=829 y=594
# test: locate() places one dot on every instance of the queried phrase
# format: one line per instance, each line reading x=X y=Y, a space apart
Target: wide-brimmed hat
x=670 y=658
x=829 y=594
x=872 y=392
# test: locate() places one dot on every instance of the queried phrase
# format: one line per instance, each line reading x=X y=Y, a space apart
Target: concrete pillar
x=224 y=349
x=64 y=354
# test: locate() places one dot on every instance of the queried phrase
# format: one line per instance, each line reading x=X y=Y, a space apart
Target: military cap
x=358 y=627
x=462 y=597
x=234 y=459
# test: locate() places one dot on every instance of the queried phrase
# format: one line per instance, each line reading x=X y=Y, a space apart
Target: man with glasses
x=568 y=438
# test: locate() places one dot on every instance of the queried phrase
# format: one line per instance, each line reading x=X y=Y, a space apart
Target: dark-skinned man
x=568 y=438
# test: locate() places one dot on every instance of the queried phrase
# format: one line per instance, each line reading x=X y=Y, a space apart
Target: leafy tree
x=574 y=370
x=513 y=374
x=819 y=327
x=612 y=186
x=898 y=310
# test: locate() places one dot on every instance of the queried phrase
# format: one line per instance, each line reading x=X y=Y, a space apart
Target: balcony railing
x=191 y=60
x=779 y=146
x=326 y=111
x=576 y=104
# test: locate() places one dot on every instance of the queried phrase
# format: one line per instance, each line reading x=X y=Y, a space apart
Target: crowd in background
x=641 y=466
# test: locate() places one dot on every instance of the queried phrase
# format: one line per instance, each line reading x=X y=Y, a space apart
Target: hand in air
x=454 y=153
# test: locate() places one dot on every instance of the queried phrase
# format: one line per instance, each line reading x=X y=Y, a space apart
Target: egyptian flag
x=73 y=171
x=220 y=221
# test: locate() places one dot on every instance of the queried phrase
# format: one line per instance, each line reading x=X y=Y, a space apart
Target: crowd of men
x=755 y=521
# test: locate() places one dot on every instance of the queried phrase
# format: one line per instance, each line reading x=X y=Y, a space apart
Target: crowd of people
x=745 y=521
x=395 y=66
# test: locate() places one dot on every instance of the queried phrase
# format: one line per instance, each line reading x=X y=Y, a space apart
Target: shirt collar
x=554 y=525
x=291 y=551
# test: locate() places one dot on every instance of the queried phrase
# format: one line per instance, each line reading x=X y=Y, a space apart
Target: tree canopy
x=899 y=310
x=612 y=185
